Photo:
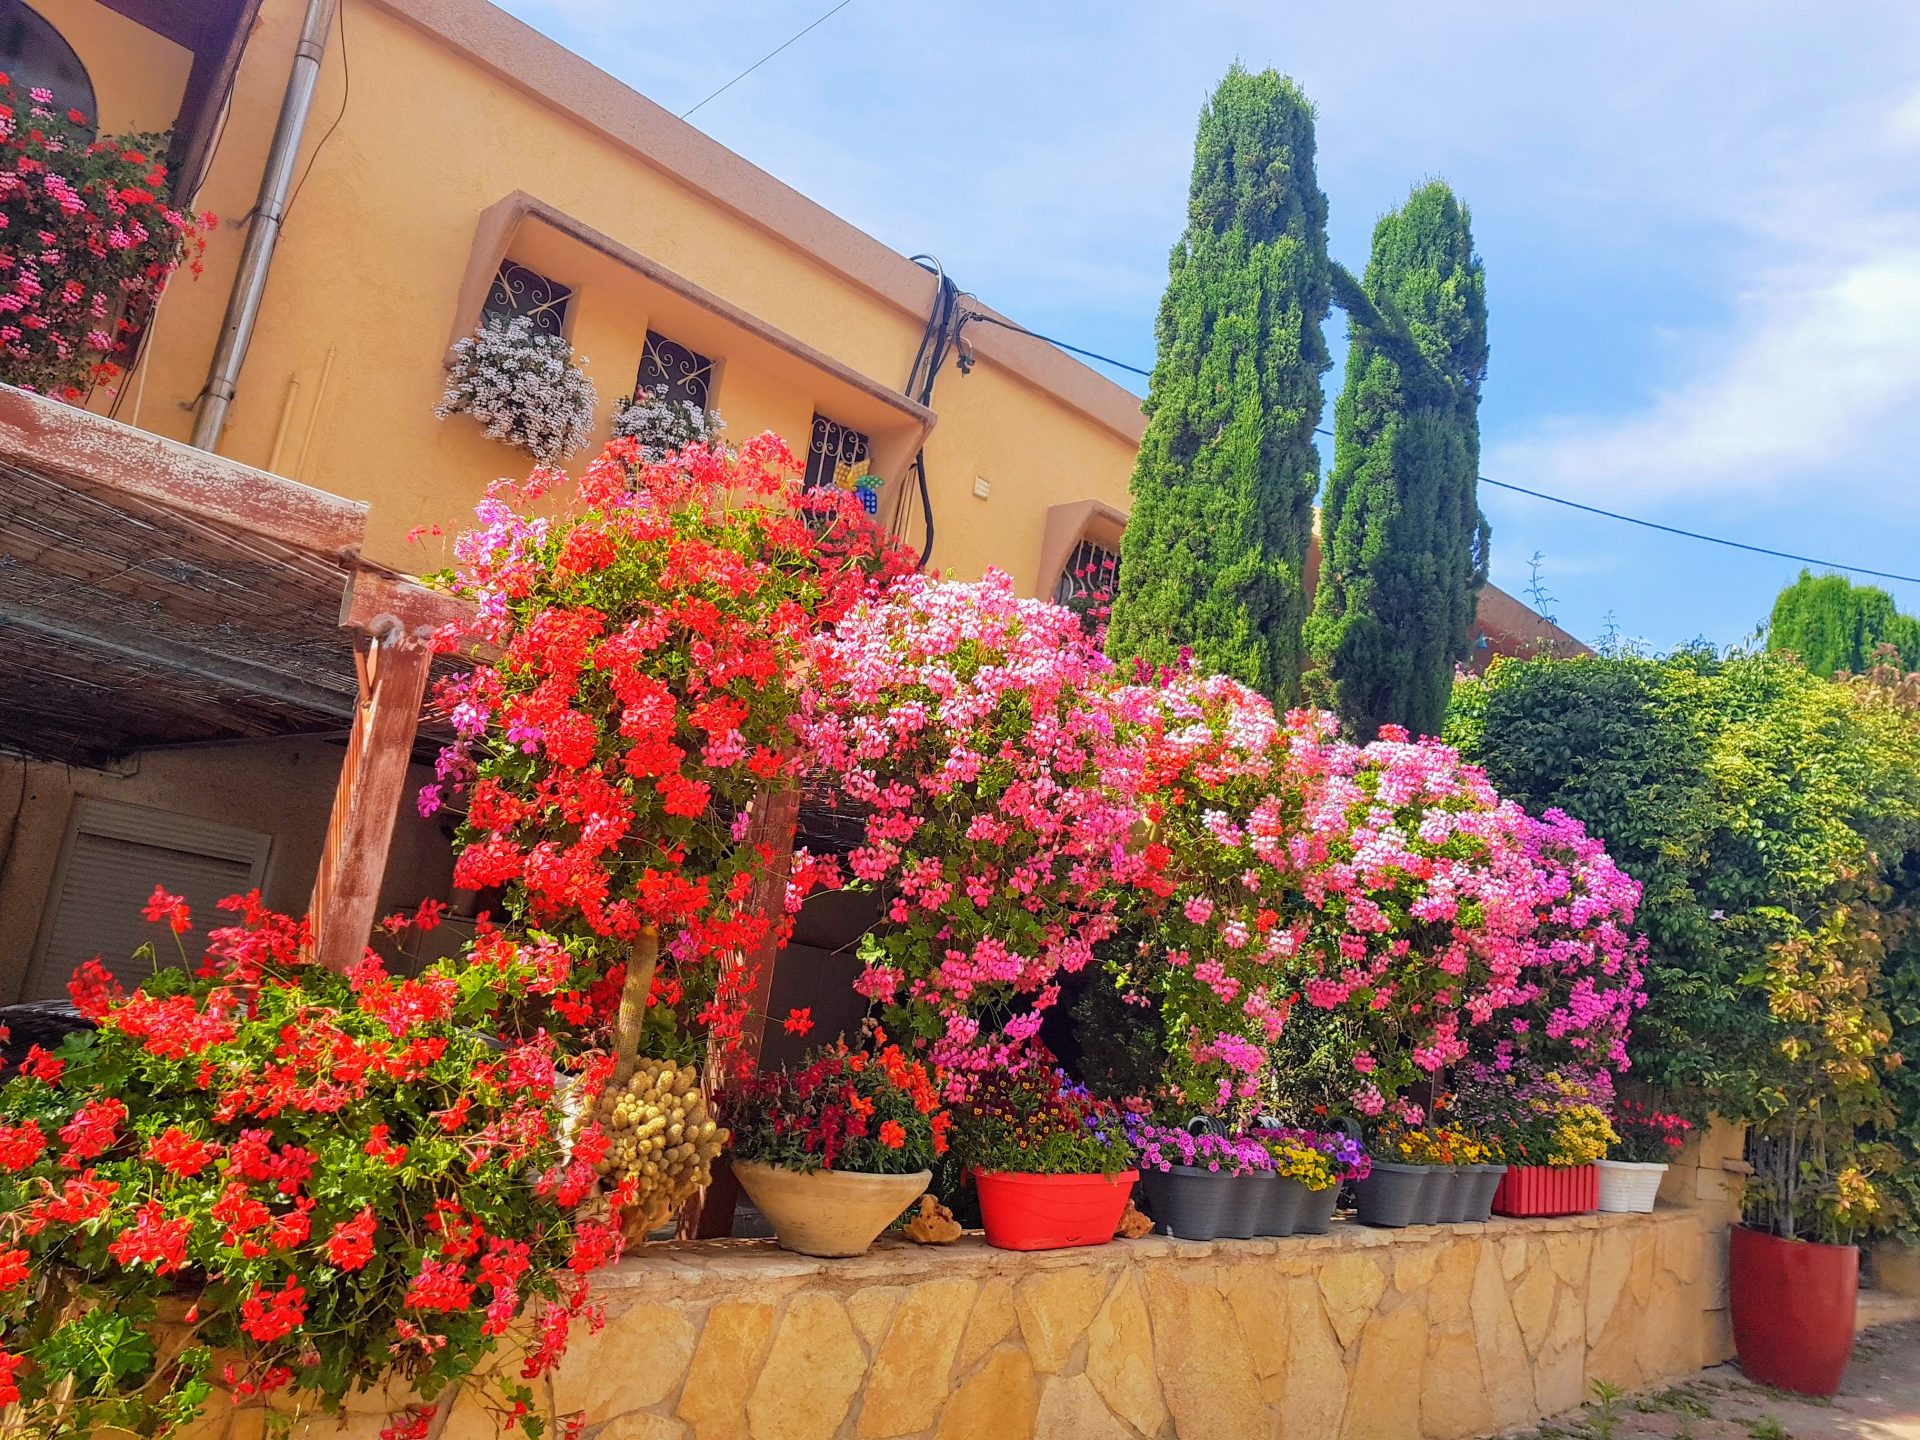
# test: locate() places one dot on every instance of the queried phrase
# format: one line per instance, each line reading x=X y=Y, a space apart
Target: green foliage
x=1215 y=552
x=1403 y=543
x=341 y=1175
x=1833 y=624
x=1774 y=819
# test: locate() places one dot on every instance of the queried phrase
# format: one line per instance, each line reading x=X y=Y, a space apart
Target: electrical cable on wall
x=937 y=341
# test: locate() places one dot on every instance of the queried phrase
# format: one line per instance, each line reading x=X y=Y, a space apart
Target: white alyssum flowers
x=665 y=427
x=525 y=387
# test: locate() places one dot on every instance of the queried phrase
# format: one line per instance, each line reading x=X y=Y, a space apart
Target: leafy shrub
x=1775 y=820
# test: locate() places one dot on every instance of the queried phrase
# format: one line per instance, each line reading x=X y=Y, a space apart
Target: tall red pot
x=1051 y=1212
x=1793 y=1310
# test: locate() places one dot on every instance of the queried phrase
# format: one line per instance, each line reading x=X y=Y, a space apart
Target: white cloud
x=1816 y=364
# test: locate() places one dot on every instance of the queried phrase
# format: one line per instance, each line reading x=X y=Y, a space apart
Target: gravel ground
x=1880 y=1400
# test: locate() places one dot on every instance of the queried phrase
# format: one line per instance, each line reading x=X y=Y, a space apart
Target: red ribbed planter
x=1527 y=1190
x=1793 y=1310
x=1051 y=1212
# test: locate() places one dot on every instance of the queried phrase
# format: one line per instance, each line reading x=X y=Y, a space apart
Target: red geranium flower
x=350 y=1246
x=268 y=1315
x=165 y=906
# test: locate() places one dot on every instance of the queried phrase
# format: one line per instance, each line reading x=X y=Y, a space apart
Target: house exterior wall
x=282 y=788
x=347 y=363
x=139 y=78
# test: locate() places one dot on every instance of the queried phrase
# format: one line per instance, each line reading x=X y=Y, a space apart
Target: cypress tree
x=1833 y=624
x=1214 y=556
x=1402 y=542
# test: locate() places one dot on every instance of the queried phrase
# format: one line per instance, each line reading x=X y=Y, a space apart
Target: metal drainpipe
x=263 y=233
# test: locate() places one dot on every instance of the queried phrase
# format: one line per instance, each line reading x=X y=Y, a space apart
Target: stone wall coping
x=673 y=1269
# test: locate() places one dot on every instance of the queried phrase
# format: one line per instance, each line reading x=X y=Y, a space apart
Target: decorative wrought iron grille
x=832 y=446
x=519 y=292
x=1090 y=570
x=682 y=373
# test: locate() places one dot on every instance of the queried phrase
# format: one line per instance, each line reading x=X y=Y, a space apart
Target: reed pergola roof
x=153 y=594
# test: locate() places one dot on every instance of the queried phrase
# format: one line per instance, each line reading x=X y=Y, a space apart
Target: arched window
x=35 y=56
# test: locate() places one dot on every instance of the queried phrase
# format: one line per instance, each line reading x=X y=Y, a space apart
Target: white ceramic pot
x=1628 y=1187
x=829 y=1213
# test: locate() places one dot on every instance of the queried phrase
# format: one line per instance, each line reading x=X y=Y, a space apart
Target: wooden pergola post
x=709 y=1215
x=394 y=621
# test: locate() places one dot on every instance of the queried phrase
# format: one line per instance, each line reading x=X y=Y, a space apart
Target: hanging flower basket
x=1537 y=1190
x=524 y=386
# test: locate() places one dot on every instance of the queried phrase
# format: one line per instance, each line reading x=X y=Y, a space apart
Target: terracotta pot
x=1793 y=1304
x=1535 y=1190
x=1629 y=1187
x=830 y=1213
x=1051 y=1212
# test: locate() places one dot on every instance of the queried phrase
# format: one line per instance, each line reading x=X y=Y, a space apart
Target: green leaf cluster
x=1215 y=553
x=1403 y=543
x=1833 y=625
x=1773 y=818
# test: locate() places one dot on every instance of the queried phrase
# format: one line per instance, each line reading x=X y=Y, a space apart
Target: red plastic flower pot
x=1051 y=1212
x=1793 y=1310
x=1534 y=1190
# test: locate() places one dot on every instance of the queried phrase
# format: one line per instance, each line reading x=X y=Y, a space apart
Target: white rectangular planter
x=1628 y=1187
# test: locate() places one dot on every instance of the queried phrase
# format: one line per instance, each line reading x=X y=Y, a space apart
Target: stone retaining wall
x=1428 y=1334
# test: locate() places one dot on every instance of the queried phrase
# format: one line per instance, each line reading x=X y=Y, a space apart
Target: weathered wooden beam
x=101 y=455
x=366 y=803
x=376 y=603
x=709 y=1215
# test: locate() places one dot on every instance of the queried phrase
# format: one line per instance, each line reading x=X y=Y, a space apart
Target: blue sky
x=1701 y=226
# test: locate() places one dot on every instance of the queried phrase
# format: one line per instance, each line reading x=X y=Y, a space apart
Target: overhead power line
x=1057 y=344
x=1696 y=535
x=1505 y=485
x=769 y=55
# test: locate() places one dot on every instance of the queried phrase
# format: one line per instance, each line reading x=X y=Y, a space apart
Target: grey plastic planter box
x=1190 y=1203
x=1436 y=1200
x=1316 y=1211
x=1392 y=1196
x=1461 y=1191
x=1249 y=1206
x=1280 y=1212
x=1480 y=1181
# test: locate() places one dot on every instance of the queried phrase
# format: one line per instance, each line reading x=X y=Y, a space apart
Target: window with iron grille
x=684 y=374
x=518 y=292
x=833 y=445
x=1090 y=570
